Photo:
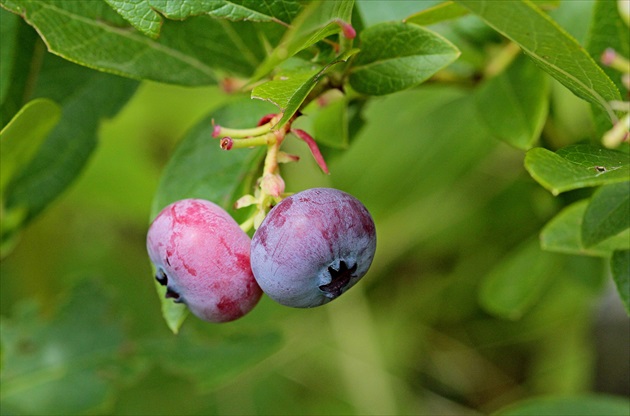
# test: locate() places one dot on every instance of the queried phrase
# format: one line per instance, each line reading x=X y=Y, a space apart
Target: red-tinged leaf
x=312 y=145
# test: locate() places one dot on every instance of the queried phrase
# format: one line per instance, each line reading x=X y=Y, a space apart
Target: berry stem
x=220 y=131
x=266 y=139
x=501 y=60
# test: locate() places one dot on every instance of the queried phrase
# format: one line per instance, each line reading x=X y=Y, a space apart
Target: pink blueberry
x=202 y=257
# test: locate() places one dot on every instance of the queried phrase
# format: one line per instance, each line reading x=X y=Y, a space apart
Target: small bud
x=608 y=56
x=272 y=184
x=216 y=130
x=227 y=143
x=231 y=85
x=287 y=158
x=347 y=29
x=265 y=119
x=245 y=201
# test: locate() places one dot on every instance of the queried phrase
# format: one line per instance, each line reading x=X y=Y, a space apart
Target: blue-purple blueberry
x=312 y=247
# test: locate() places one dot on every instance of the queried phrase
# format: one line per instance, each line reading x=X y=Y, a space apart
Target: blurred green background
x=457 y=216
x=411 y=338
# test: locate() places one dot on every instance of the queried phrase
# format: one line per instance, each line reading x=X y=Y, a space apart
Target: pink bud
x=227 y=143
x=347 y=29
x=216 y=130
x=287 y=158
x=272 y=184
x=609 y=56
x=265 y=119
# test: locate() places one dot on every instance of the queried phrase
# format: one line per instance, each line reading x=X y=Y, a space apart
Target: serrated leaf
x=446 y=10
x=550 y=46
x=586 y=405
x=289 y=90
x=200 y=169
x=620 y=268
x=607 y=214
x=316 y=21
x=395 y=56
x=186 y=53
x=577 y=166
x=254 y=10
x=57 y=365
x=140 y=14
x=214 y=362
x=563 y=234
x=518 y=281
x=23 y=136
x=514 y=104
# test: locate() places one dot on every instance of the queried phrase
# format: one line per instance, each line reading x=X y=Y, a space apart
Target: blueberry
x=312 y=247
x=202 y=257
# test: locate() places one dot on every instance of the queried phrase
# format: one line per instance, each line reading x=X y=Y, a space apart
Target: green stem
x=501 y=60
x=241 y=133
x=271 y=159
x=267 y=139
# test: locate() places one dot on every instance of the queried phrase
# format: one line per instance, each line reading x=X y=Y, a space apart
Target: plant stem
x=241 y=133
x=501 y=60
x=267 y=139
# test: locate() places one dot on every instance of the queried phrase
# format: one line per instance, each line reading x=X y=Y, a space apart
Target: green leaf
x=518 y=281
x=550 y=46
x=607 y=214
x=620 y=268
x=289 y=90
x=86 y=98
x=254 y=10
x=8 y=39
x=187 y=53
x=22 y=137
x=212 y=363
x=577 y=166
x=395 y=56
x=586 y=405
x=318 y=20
x=607 y=30
x=200 y=169
x=21 y=52
x=174 y=313
x=514 y=104
x=563 y=234
x=58 y=365
x=446 y=10
x=140 y=14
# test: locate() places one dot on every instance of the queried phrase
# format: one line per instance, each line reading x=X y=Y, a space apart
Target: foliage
x=488 y=139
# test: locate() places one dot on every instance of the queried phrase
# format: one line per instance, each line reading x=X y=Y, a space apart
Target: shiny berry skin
x=312 y=247
x=202 y=257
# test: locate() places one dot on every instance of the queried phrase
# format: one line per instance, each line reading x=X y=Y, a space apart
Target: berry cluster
x=310 y=248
